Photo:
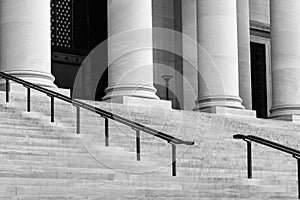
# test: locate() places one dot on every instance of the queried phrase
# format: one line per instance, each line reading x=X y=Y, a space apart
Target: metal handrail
x=250 y=138
x=104 y=114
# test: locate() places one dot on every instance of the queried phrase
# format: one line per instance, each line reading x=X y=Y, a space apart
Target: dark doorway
x=77 y=27
x=259 y=80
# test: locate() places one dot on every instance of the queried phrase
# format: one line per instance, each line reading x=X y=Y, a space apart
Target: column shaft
x=218 y=54
x=25 y=40
x=244 y=53
x=130 y=49
x=189 y=53
x=285 y=41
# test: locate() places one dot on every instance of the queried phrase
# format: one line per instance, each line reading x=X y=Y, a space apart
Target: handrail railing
x=104 y=114
x=250 y=138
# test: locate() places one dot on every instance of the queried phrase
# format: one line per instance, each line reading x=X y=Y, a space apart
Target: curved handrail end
x=182 y=142
x=190 y=143
x=239 y=137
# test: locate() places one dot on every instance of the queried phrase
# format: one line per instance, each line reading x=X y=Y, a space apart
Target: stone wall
x=260 y=11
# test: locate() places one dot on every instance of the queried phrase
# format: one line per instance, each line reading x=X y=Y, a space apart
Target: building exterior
x=219 y=53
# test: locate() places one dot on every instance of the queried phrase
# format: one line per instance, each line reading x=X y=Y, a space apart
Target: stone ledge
x=290 y=118
x=219 y=110
x=135 y=101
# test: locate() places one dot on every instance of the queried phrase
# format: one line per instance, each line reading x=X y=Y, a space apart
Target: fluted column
x=218 y=54
x=244 y=53
x=130 y=52
x=285 y=41
x=25 y=40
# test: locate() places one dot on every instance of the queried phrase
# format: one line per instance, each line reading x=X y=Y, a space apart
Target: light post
x=167 y=79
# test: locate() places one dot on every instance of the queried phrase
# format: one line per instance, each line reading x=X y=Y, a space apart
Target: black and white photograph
x=149 y=99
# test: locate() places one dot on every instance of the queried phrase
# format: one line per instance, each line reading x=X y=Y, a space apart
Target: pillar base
x=135 y=101
x=285 y=112
x=39 y=78
x=218 y=101
x=229 y=106
x=230 y=111
x=144 y=91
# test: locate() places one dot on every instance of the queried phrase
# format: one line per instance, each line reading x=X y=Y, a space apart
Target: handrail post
x=28 y=99
x=298 y=161
x=7 y=90
x=138 y=145
x=249 y=159
x=174 y=171
x=52 y=109
x=106 y=133
x=78 y=120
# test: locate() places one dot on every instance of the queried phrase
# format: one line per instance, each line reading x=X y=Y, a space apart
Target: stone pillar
x=244 y=53
x=130 y=50
x=189 y=53
x=285 y=42
x=25 y=40
x=217 y=55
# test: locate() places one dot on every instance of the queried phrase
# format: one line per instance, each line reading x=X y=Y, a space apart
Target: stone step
x=208 y=171
x=160 y=191
x=245 y=191
x=86 y=183
x=146 y=141
x=36 y=133
x=264 y=124
x=41 y=140
x=122 y=167
x=205 y=182
x=44 y=160
x=42 y=129
x=119 y=107
x=258 y=162
x=234 y=158
x=119 y=163
x=45 y=197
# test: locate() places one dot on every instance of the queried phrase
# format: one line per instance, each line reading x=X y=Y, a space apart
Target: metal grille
x=61 y=23
x=81 y=25
x=78 y=25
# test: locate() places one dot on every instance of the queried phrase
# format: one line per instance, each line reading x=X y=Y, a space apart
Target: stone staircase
x=43 y=160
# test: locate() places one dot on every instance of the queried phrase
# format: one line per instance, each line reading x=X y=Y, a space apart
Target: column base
x=286 y=112
x=218 y=101
x=230 y=111
x=144 y=91
x=136 y=101
x=229 y=106
x=38 y=78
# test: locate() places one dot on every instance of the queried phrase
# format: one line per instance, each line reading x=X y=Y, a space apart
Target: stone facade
x=204 y=45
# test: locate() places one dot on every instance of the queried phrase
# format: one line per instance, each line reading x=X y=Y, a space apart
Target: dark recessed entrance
x=77 y=27
x=259 y=80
